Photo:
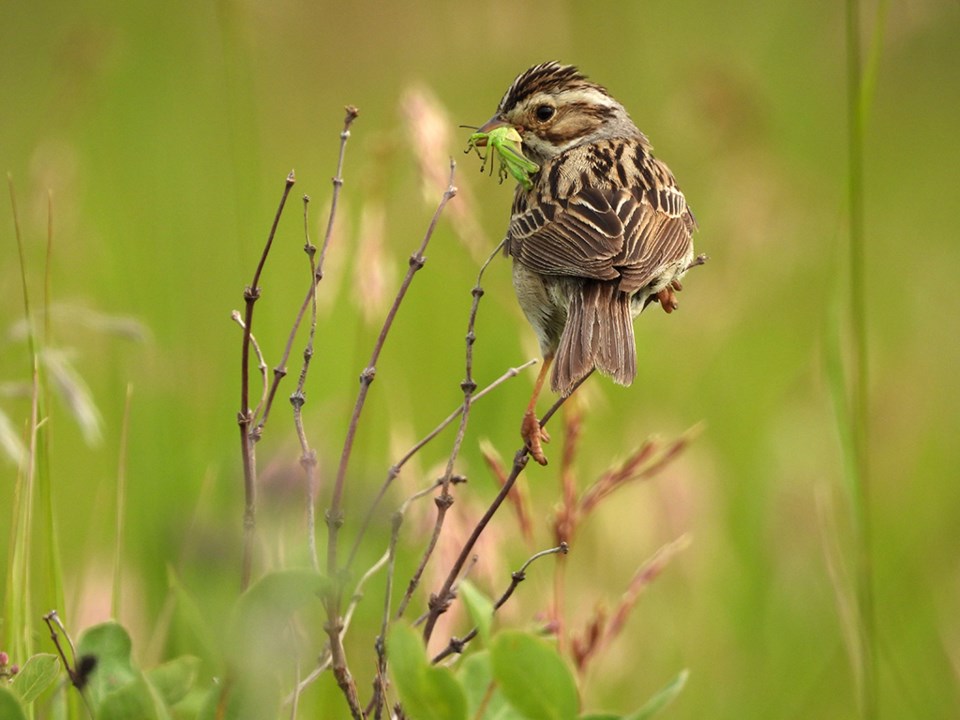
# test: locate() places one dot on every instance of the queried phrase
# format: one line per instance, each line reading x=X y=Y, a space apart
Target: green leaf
x=426 y=693
x=10 y=707
x=110 y=644
x=480 y=608
x=533 y=677
x=191 y=705
x=134 y=700
x=476 y=677
x=661 y=699
x=600 y=716
x=36 y=675
x=116 y=687
x=173 y=679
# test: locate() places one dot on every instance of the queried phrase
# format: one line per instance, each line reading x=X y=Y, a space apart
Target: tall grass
x=35 y=577
x=854 y=385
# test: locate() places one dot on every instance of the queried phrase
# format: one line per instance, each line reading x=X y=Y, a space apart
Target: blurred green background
x=163 y=132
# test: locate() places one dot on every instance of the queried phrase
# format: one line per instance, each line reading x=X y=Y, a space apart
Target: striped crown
x=545 y=77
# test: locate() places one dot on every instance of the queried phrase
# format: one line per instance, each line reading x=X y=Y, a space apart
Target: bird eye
x=545 y=112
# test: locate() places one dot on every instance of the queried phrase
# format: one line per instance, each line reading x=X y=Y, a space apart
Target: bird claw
x=533 y=435
x=668 y=297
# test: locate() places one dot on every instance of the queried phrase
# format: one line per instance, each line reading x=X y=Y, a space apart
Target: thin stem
x=860 y=386
x=468 y=385
x=456 y=645
x=48 y=273
x=295 y=702
x=394 y=470
x=380 y=681
x=334 y=515
x=261 y=364
x=316 y=276
x=441 y=601
x=417 y=261
x=444 y=501
x=567 y=517
x=245 y=417
x=351 y=114
x=280 y=370
x=79 y=671
x=28 y=317
x=386 y=559
x=308 y=456
x=121 y=503
x=51 y=619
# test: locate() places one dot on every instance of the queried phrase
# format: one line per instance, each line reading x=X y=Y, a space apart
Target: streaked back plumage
x=604 y=229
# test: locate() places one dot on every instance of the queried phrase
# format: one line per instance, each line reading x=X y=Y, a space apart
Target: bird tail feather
x=598 y=334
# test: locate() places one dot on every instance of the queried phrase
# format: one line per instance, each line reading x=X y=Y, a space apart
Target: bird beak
x=491 y=124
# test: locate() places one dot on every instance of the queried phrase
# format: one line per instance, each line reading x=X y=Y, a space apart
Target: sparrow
x=598 y=233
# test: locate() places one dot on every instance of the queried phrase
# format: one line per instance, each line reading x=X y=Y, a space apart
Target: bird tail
x=598 y=334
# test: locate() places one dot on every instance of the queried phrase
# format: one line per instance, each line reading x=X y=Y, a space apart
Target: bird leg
x=530 y=429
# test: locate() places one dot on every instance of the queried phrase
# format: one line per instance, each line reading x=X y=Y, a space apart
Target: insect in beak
x=505 y=139
x=489 y=126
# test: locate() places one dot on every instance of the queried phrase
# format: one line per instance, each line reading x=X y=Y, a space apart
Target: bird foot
x=533 y=435
x=668 y=296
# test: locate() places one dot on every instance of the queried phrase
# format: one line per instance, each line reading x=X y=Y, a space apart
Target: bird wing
x=605 y=234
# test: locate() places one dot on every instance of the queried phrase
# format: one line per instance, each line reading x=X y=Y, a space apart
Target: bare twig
x=516 y=497
x=79 y=670
x=351 y=115
x=51 y=619
x=456 y=645
x=253 y=422
x=417 y=261
x=245 y=418
x=440 y=602
x=394 y=470
x=334 y=515
x=380 y=681
x=324 y=661
x=261 y=362
x=308 y=456
x=445 y=499
x=309 y=300
x=468 y=385
x=386 y=559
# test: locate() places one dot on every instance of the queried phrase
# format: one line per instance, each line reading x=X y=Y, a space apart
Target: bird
x=597 y=234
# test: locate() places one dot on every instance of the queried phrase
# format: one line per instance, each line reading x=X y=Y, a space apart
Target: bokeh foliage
x=164 y=132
